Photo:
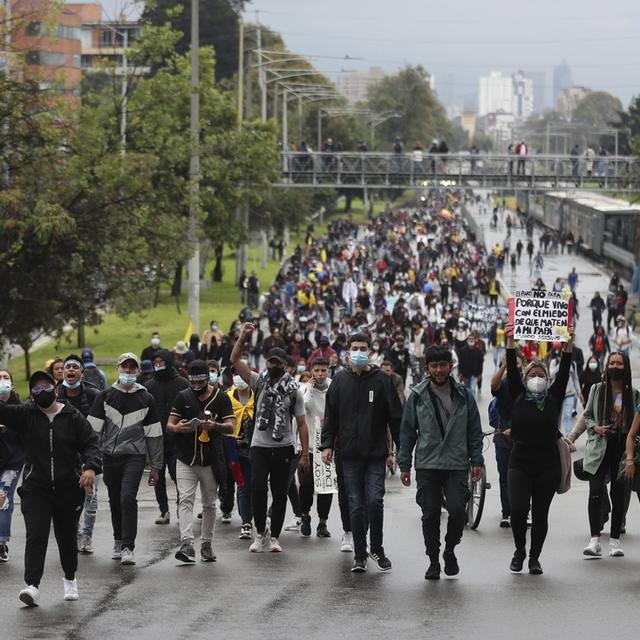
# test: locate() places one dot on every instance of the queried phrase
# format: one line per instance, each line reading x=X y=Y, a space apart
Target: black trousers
x=598 y=485
x=161 y=486
x=537 y=489
x=226 y=493
x=270 y=466
x=323 y=500
x=432 y=483
x=39 y=508
x=503 y=455
x=122 y=475
x=343 y=499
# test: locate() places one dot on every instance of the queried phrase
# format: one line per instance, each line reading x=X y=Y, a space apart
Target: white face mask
x=536 y=385
x=593 y=366
x=239 y=383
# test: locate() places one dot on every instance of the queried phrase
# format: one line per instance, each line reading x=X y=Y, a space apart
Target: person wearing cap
x=126 y=419
x=278 y=399
x=62 y=457
x=181 y=357
x=199 y=417
x=149 y=352
x=91 y=373
x=324 y=350
x=81 y=395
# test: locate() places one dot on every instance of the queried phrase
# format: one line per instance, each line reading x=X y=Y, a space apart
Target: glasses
x=38 y=389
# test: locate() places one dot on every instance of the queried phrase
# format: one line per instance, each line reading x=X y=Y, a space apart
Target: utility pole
x=5 y=68
x=241 y=258
x=262 y=80
x=194 y=171
x=125 y=93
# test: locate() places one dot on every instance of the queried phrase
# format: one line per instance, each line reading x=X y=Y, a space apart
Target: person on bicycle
x=441 y=422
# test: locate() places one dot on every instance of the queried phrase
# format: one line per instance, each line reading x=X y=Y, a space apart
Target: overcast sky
x=599 y=40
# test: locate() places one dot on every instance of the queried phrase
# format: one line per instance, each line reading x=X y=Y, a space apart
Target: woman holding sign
x=534 y=466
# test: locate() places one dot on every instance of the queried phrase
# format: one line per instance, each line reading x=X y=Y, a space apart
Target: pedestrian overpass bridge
x=463 y=171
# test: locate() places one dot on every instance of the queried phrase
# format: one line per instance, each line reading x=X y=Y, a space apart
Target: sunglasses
x=38 y=389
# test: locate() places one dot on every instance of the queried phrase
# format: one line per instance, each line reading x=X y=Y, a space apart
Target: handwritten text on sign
x=540 y=315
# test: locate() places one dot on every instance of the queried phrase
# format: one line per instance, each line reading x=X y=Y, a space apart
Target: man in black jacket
x=361 y=406
x=62 y=456
x=165 y=386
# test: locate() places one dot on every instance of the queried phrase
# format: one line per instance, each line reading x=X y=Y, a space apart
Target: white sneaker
x=294 y=525
x=117 y=550
x=274 y=545
x=593 y=549
x=615 y=550
x=70 y=589
x=226 y=518
x=128 y=556
x=260 y=542
x=30 y=596
x=347 y=542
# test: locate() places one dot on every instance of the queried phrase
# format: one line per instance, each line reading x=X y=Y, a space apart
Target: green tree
x=597 y=109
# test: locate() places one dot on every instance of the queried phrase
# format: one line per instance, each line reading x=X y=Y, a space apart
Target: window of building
x=46 y=58
x=53 y=31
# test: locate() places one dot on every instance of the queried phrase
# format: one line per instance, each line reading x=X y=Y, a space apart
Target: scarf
x=273 y=416
x=536 y=398
x=241 y=411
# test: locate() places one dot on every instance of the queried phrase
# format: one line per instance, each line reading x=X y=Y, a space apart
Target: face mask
x=615 y=373
x=239 y=383
x=5 y=387
x=593 y=366
x=275 y=373
x=214 y=327
x=536 y=385
x=45 y=399
x=155 y=342
x=359 y=359
x=159 y=367
x=213 y=377
x=376 y=347
x=126 y=379
x=70 y=385
x=301 y=368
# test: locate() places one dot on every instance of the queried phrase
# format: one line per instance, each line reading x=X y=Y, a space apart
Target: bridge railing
x=415 y=168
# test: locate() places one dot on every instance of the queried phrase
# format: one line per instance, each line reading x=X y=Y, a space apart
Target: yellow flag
x=189 y=331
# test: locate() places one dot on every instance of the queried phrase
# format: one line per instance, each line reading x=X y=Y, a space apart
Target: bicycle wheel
x=475 y=505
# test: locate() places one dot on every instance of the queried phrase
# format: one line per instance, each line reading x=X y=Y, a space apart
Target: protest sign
x=325 y=478
x=541 y=315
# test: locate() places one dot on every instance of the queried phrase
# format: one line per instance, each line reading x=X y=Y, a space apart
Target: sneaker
x=593 y=549
x=88 y=544
x=117 y=550
x=518 y=560
x=505 y=522
x=322 y=531
x=206 y=552
x=260 y=543
x=30 y=596
x=384 y=564
x=359 y=565
x=4 y=552
x=433 y=572
x=535 y=569
x=294 y=525
x=185 y=553
x=245 y=532
x=81 y=544
x=274 y=545
x=70 y=589
x=451 y=567
x=347 y=542
x=163 y=518
x=128 y=556
x=615 y=550
x=305 y=525
x=226 y=518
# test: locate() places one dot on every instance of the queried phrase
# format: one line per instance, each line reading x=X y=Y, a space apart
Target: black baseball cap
x=278 y=354
x=39 y=375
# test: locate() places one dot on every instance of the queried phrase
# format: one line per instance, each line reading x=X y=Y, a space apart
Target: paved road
x=309 y=592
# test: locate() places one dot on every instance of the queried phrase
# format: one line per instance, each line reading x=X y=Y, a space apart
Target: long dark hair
x=605 y=403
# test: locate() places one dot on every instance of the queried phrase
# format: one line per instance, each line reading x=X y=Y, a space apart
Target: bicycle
x=478 y=490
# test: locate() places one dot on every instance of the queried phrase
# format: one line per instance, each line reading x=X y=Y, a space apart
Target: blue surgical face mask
x=359 y=359
x=155 y=342
x=70 y=385
x=127 y=379
x=213 y=377
x=5 y=387
x=301 y=368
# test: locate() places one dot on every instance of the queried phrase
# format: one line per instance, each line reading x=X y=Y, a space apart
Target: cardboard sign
x=541 y=315
x=325 y=478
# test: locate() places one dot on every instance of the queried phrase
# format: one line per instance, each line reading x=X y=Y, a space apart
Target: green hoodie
x=462 y=442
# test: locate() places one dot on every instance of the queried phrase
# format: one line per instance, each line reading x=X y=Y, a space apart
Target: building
x=569 y=98
x=562 y=79
x=499 y=127
x=522 y=96
x=496 y=94
x=468 y=123
x=354 y=85
x=540 y=93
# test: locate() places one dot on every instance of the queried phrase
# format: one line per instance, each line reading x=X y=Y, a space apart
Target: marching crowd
x=365 y=354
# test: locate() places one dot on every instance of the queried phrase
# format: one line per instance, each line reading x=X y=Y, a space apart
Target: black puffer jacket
x=55 y=452
x=11 y=451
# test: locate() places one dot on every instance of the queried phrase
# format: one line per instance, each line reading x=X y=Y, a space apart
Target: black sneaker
x=305 y=525
x=534 y=567
x=322 y=531
x=186 y=553
x=517 y=560
x=4 y=552
x=451 y=567
x=433 y=572
x=505 y=522
x=359 y=565
x=384 y=564
x=206 y=552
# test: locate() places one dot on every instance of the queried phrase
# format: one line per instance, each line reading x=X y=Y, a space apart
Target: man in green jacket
x=441 y=422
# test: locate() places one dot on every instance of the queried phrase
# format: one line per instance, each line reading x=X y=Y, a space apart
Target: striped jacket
x=127 y=422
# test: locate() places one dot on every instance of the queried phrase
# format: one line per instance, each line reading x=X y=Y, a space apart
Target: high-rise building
x=540 y=94
x=562 y=79
x=496 y=94
x=522 y=96
x=354 y=85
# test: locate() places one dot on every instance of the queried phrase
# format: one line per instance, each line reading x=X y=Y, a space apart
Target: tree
x=597 y=109
x=409 y=94
x=628 y=123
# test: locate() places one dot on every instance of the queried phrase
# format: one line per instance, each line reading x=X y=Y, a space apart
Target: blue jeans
x=364 y=482
x=471 y=383
x=566 y=422
x=8 y=482
x=90 y=509
x=245 y=503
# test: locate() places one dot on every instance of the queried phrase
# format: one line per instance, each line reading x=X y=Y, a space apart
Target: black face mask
x=45 y=399
x=275 y=373
x=199 y=391
x=615 y=374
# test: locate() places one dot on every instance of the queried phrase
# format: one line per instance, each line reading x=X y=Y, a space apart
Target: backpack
x=494 y=414
x=92 y=375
